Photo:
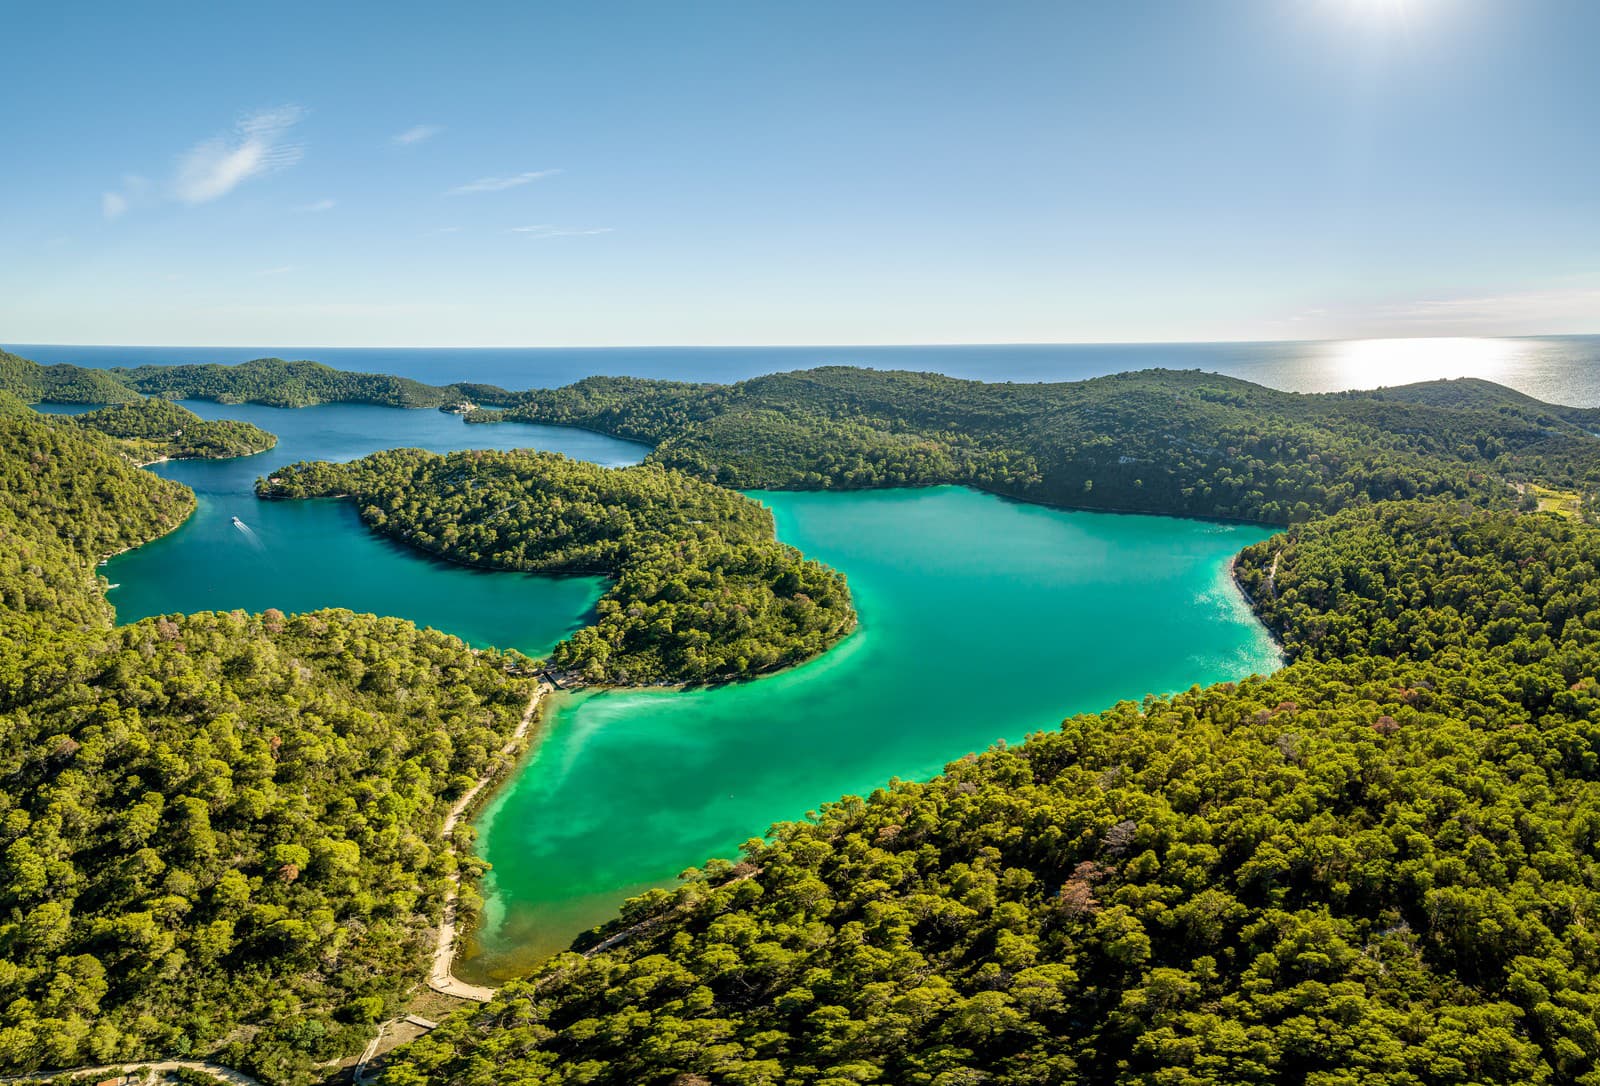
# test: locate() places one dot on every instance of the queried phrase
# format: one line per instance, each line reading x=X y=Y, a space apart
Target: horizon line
x=19 y=345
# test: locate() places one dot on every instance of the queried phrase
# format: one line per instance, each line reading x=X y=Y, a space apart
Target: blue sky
x=727 y=173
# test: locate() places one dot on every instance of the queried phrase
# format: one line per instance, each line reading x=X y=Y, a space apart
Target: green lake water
x=981 y=619
x=303 y=555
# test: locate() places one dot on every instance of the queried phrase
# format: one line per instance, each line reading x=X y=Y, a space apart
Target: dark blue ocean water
x=1559 y=369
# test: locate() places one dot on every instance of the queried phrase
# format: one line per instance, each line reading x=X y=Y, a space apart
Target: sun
x=1380 y=12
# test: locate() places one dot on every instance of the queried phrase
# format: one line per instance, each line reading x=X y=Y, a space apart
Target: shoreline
x=104 y=558
x=441 y=974
x=1250 y=602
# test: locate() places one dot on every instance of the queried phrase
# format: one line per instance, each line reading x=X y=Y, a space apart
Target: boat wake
x=249 y=534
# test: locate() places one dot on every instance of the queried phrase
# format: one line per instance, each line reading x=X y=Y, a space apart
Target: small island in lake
x=703 y=590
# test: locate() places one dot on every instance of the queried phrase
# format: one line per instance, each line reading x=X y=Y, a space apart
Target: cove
x=300 y=556
x=981 y=619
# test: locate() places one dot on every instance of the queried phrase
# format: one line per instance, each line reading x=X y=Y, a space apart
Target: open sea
x=1557 y=369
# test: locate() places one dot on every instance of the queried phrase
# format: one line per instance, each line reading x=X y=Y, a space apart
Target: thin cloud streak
x=325 y=204
x=500 y=184
x=539 y=233
x=1554 y=311
x=417 y=134
x=113 y=204
x=1515 y=305
x=257 y=145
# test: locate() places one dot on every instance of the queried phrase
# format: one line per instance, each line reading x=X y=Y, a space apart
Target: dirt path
x=108 y=1070
x=441 y=978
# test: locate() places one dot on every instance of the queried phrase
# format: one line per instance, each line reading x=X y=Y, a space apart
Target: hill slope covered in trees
x=1159 y=441
x=1377 y=866
x=270 y=381
x=152 y=429
x=703 y=590
x=217 y=831
x=33 y=383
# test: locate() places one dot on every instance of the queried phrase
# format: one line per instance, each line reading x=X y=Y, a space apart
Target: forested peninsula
x=1156 y=441
x=702 y=590
x=270 y=381
x=151 y=429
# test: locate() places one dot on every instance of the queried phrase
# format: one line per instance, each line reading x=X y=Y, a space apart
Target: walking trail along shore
x=442 y=978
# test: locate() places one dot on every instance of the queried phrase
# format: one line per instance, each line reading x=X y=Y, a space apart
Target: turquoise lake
x=981 y=619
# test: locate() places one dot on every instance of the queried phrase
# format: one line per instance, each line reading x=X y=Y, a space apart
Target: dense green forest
x=278 y=383
x=218 y=832
x=1160 y=441
x=155 y=429
x=33 y=383
x=270 y=381
x=1377 y=866
x=1155 y=441
x=702 y=589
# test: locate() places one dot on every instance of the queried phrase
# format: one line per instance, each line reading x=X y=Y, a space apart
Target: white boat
x=237 y=523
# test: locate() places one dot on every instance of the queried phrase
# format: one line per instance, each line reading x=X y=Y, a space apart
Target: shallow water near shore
x=981 y=619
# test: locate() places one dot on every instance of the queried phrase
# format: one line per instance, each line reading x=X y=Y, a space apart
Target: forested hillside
x=155 y=429
x=1156 y=441
x=33 y=383
x=702 y=589
x=270 y=381
x=1377 y=866
x=1160 y=441
x=217 y=831
x=278 y=383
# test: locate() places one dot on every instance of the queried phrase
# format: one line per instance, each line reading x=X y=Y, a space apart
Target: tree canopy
x=152 y=429
x=218 y=832
x=1160 y=441
x=33 y=383
x=270 y=381
x=702 y=590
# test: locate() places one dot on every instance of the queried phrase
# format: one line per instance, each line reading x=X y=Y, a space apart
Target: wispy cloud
x=1566 y=306
x=258 y=144
x=417 y=134
x=325 y=204
x=500 y=184
x=540 y=232
x=1508 y=306
x=115 y=203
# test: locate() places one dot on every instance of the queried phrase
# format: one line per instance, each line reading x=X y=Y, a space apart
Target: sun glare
x=1378 y=12
x=1375 y=363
